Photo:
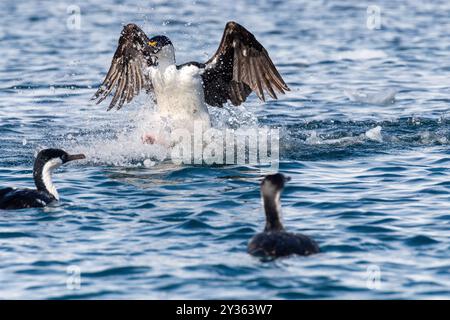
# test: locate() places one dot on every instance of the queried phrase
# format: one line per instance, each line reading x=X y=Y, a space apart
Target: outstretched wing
x=126 y=75
x=240 y=65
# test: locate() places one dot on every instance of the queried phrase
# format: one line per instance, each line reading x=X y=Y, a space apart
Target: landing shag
x=275 y=241
x=240 y=66
x=46 y=161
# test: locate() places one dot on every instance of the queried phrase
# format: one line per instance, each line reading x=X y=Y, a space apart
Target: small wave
x=374 y=134
x=420 y=241
x=381 y=97
x=362 y=54
x=7 y=235
x=117 y=271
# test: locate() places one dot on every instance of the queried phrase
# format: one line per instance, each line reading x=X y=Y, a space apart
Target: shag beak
x=72 y=157
x=286 y=179
x=153 y=46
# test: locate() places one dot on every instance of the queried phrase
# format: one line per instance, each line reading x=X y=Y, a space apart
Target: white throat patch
x=166 y=57
x=47 y=176
x=272 y=194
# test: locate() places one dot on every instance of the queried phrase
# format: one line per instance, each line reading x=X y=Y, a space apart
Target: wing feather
x=126 y=74
x=269 y=87
x=239 y=66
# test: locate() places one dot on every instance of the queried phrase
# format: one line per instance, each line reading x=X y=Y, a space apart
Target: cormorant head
x=46 y=161
x=162 y=48
x=159 y=42
x=57 y=155
x=273 y=183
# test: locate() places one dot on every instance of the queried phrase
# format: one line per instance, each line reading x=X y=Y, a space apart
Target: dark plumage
x=275 y=241
x=126 y=74
x=281 y=243
x=24 y=198
x=239 y=66
x=45 y=193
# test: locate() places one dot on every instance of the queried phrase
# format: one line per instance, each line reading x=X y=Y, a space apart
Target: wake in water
x=119 y=143
x=321 y=140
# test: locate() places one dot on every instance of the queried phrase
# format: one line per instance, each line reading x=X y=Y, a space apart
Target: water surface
x=369 y=181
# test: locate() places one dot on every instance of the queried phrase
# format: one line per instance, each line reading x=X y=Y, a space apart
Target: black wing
x=240 y=65
x=126 y=74
x=4 y=192
x=23 y=198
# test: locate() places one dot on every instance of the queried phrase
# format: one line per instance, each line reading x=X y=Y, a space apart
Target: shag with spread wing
x=240 y=66
x=275 y=241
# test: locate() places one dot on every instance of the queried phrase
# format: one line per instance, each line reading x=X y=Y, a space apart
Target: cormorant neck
x=42 y=174
x=166 y=57
x=272 y=207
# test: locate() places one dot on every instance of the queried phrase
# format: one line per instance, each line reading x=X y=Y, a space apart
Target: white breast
x=179 y=95
x=47 y=176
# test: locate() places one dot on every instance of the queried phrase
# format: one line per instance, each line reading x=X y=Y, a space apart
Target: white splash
x=119 y=141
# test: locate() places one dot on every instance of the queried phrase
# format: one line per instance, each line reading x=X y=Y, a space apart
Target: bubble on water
x=149 y=163
x=24 y=142
x=313 y=138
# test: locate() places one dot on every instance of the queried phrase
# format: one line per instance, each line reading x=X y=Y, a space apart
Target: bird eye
x=152 y=43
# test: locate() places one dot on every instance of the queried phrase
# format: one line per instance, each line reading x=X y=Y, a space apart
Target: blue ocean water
x=370 y=176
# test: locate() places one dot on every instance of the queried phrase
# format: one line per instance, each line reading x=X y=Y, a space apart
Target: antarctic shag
x=240 y=66
x=274 y=241
x=46 y=161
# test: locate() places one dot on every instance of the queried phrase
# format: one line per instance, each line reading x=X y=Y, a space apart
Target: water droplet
x=149 y=163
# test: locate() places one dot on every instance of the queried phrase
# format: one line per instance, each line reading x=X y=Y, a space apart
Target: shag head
x=273 y=184
x=46 y=161
x=162 y=48
x=159 y=42
x=56 y=155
